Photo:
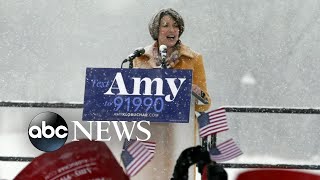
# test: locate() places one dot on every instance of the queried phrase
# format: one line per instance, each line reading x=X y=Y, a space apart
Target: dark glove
x=187 y=158
x=214 y=171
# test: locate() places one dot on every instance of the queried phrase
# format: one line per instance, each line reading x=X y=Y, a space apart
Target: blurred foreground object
x=198 y=155
x=214 y=171
x=275 y=174
x=82 y=159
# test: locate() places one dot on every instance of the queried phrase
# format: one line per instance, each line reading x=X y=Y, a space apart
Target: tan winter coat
x=188 y=59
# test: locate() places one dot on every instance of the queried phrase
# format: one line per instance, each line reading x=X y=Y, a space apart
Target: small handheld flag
x=213 y=122
x=225 y=151
x=136 y=154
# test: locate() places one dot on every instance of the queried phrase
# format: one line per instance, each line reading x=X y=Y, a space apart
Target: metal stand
x=130 y=63
x=163 y=63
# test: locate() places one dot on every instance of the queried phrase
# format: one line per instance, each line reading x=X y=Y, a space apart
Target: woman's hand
x=196 y=89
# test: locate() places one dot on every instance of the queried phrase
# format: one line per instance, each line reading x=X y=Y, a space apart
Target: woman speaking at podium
x=166 y=28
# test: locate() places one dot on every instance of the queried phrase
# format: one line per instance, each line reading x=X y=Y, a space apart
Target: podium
x=174 y=130
x=171 y=139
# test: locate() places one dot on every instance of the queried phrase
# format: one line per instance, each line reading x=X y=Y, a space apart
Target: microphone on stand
x=163 y=54
x=137 y=52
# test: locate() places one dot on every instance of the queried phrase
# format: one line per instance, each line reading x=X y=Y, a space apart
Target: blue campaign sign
x=156 y=95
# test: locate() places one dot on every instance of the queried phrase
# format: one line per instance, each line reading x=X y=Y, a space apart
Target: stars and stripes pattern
x=151 y=146
x=213 y=122
x=225 y=151
x=136 y=154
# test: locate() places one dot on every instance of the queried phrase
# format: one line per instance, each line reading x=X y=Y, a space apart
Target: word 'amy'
x=119 y=86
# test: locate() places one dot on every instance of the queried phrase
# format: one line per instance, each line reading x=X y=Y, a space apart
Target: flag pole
x=213 y=142
x=204 y=142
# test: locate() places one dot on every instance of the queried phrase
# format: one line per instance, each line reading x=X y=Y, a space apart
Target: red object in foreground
x=276 y=175
x=82 y=159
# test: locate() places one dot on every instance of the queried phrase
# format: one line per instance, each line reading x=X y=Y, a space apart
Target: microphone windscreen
x=163 y=48
x=139 y=51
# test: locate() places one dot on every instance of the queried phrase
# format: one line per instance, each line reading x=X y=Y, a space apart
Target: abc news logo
x=48 y=131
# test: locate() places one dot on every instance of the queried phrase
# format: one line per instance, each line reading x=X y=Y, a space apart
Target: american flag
x=136 y=154
x=213 y=122
x=225 y=151
x=151 y=146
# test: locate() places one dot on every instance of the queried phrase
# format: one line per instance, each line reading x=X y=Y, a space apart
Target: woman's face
x=168 y=32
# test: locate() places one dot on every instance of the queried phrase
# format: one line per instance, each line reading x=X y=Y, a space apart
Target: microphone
x=137 y=52
x=201 y=97
x=163 y=54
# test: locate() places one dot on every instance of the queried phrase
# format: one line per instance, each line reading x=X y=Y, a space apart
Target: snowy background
x=256 y=53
